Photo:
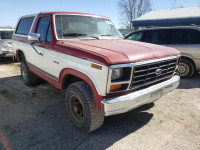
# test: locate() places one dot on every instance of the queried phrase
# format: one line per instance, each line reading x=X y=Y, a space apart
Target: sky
x=11 y=10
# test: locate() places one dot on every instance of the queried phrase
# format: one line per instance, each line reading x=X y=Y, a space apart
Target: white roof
x=192 y=12
x=4 y=29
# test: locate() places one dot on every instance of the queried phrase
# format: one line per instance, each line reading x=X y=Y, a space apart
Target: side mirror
x=34 y=37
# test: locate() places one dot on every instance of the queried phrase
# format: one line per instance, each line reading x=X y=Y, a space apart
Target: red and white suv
x=103 y=74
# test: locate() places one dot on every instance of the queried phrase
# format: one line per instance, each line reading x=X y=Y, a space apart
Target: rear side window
x=24 y=26
x=156 y=37
x=44 y=29
x=152 y=37
x=184 y=36
x=137 y=36
x=163 y=37
x=176 y=37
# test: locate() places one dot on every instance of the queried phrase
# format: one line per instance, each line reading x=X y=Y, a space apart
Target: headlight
x=120 y=78
x=117 y=73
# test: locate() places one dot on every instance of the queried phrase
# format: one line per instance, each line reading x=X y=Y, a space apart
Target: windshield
x=76 y=27
x=6 y=34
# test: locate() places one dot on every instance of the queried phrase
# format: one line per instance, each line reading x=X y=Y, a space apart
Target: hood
x=119 y=51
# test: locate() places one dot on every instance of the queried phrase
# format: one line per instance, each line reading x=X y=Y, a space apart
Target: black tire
x=186 y=69
x=29 y=78
x=82 y=108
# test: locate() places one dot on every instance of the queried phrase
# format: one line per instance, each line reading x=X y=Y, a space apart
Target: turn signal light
x=115 y=87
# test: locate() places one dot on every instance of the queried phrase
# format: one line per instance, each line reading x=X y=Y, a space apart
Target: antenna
x=173 y=4
x=61 y=20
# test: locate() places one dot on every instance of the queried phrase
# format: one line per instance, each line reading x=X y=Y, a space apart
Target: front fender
x=87 y=78
x=188 y=55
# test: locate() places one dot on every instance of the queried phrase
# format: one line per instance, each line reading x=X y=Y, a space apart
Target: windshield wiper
x=79 y=34
x=75 y=34
x=93 y=37
x=108 y=35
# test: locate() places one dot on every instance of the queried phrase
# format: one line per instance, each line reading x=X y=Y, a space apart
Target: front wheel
x=186 y=69
x=82 y=108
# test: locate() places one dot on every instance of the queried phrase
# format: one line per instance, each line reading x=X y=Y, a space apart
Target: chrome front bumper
x=136 y=99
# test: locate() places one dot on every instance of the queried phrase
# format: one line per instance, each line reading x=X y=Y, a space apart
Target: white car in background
x=6 y=42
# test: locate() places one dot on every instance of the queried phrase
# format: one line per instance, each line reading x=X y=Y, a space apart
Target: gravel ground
x=34 y=118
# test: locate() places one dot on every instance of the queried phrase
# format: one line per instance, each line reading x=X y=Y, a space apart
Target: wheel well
x=69 y=79
x=189 y=59
x=20 y=55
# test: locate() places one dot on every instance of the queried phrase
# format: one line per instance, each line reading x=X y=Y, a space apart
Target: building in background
x=166 y=18
x=126 y=31
x=6 y=27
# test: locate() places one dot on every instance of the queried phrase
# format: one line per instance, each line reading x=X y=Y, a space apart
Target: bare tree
x=131 y=9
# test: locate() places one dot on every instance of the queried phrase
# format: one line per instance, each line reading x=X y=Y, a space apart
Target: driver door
x=41 y=51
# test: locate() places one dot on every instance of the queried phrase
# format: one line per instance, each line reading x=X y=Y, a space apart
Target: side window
x=49 y=36
x=176 y=37
x=163 y=36
x=192 y=37
x=184 y=36
x=24 y=26
x=44 y=29
x=152 y=37
x=137 y=36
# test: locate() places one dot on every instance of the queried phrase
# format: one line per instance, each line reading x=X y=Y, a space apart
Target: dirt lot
x=34 y=118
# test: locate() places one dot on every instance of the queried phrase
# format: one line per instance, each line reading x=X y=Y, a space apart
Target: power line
x=173 y=4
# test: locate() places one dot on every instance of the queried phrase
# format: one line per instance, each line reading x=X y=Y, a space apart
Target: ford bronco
x=103 y=74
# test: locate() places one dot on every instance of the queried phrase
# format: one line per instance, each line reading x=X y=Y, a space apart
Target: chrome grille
x=153 y=72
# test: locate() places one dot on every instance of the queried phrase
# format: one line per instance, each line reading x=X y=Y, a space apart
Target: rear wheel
x=27 y=76
x=186 y=69
x=82 y=108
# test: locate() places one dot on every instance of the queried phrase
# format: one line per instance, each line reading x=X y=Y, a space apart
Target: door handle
x=36 y=50
x=41 y=53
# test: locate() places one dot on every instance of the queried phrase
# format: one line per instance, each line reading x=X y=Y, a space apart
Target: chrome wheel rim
x=24 y=72
x=77 y=109
x=183 y=69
